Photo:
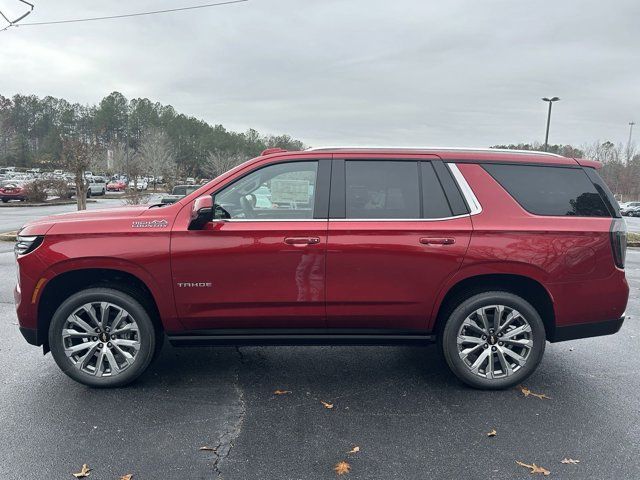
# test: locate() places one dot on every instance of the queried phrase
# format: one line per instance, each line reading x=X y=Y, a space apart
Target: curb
x=8 y=236
x=49 y=204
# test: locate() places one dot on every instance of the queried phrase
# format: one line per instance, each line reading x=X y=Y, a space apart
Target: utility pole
x=631 y=124
x=546 y=136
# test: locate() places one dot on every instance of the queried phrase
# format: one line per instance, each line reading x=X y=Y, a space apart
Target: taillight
x=618 y=237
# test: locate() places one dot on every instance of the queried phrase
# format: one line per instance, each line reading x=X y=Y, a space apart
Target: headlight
x=26 y=245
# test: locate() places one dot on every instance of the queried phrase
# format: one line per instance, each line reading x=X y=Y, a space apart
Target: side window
x=546 y=190
x=434 y=202
x=381 y=189
x=281 y=191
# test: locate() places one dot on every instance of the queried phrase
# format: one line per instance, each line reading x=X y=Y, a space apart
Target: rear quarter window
x=549 y=190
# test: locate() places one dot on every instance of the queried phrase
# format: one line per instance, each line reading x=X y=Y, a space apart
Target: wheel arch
x=526 y=287
x=57 y=289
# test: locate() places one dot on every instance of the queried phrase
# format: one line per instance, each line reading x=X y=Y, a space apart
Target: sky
x=348 y=72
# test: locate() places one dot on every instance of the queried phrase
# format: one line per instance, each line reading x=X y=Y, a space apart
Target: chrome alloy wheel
x=101 y=339
x=495 y=341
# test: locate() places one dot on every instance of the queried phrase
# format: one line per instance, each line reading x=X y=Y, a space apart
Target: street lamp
x=550 y=102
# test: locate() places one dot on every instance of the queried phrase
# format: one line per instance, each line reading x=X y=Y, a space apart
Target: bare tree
x=221 y=162
x=77 y=154
x=156 y=154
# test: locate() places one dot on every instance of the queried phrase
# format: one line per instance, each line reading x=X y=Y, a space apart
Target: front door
x=394 y=238
x=264 y=266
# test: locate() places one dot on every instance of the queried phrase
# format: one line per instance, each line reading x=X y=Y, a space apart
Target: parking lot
x=409 y=417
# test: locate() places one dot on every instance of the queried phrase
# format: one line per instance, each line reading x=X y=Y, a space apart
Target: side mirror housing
x=201 y=212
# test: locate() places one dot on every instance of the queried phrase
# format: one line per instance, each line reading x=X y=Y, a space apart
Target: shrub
x=36 y=191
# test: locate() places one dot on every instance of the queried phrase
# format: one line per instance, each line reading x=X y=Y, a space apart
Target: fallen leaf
x=207 y=449
x=84 y=472
x=354 y=450
x=282 y=392
x=492 y=433
x=570 y=461
x=326 y=405
x=534 y=468
x=128 y=476
x=526 y=392
x=341 y=468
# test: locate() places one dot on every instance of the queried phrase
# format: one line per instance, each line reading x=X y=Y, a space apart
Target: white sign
x=289 y=191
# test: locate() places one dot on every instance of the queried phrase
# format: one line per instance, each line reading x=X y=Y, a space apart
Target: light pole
x=546 y=136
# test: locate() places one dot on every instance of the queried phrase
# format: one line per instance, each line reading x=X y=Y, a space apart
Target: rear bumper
x=586 y=330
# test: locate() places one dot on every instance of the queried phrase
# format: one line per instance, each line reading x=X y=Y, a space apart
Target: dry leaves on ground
x=207 y=449
x=534 y=468
x=492 y=433
x=128 y=476
x=526 y=392
x=354 y=450
x=341 y=468
x=570 y=461
x=326 y=404
x=84 y=472
x=282 y=392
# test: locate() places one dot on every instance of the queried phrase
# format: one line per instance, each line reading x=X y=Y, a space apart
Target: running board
x=193 y=339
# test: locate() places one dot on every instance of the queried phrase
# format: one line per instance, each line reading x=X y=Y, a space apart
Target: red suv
x=490 y=253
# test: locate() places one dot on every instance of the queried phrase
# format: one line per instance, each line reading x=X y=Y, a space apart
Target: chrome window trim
x=474 y=205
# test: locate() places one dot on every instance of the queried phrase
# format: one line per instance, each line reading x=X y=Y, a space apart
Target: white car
x=97 y=185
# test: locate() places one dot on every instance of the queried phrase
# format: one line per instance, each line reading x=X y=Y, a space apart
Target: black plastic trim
x=299 y=337
x=338 y=196
x=454 y=196
x=586 y=330
x=30 y=335
x=323 y=185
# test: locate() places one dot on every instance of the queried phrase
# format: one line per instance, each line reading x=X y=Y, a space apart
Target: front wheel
x=493 y=340
x=102 y=337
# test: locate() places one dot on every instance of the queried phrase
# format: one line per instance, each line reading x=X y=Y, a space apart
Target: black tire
x=103 y=192
x=449 y=336
x=147 y=334
x=89 y=193
x=630 y=214
x=5 y=200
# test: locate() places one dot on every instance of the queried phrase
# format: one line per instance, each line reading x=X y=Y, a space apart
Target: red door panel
x=263 y=274
x=386 y=274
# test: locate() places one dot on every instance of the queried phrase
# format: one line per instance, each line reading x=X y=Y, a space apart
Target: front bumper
x=586 y=330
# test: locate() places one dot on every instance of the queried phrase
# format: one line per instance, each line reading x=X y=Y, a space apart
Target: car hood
x=43 y=225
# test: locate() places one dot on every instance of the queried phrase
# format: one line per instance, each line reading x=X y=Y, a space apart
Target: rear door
x=394 y=237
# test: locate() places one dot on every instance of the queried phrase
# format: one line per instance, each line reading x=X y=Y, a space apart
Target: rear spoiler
x=583 y=162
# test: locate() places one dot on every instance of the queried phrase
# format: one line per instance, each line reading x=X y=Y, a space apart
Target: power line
x=139 y=14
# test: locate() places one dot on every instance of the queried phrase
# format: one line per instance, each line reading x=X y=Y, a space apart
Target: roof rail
x=440 y=149
x=269 y=151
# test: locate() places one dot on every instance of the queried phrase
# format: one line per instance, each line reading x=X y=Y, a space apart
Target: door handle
x=437 y=241
x=302 y=240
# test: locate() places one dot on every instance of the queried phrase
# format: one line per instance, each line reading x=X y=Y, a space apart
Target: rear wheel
x=493 y=340
x=102 y=337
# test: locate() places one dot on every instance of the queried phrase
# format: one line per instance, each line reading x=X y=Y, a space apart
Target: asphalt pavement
x=407 y=414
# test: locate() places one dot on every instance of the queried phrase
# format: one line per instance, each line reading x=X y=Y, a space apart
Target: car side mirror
x=201 y=212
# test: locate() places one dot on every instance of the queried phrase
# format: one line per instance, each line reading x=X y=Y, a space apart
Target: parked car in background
x=632 y=211
x=629 y=207
x=141 y=184
x=490 y=253
x=178 y=192
x=190 y=180
x=12 y=190
x=97 y=185
x=116 y=186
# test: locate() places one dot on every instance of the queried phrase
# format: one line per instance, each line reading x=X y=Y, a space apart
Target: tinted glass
x=278 y=192
x=545 y=190
x=379 y=189
x=434 y=202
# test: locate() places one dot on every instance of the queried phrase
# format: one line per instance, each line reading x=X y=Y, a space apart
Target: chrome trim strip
x=472 y=201
x=432 y=149
x=397 y=219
